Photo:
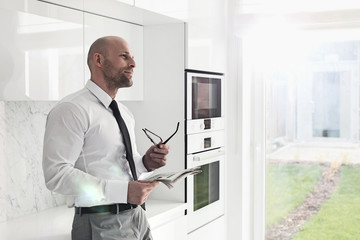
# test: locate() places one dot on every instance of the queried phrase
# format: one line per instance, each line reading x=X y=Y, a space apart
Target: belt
x=114 y=208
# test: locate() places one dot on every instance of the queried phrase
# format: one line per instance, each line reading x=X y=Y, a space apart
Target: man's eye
x=124 y=56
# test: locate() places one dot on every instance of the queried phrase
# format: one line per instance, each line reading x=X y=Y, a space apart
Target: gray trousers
x=130 y=225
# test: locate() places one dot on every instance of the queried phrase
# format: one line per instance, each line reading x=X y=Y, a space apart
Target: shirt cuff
x=141 y=167
x=143 y=173
x=116 y=191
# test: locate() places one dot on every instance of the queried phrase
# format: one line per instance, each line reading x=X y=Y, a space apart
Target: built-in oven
x=205 y=191
x=205 y=138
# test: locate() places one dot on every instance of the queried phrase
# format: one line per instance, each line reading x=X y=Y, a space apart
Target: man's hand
x=155 y=157
x=138 y=191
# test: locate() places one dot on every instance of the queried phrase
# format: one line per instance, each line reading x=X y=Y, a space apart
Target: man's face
x=118 y=65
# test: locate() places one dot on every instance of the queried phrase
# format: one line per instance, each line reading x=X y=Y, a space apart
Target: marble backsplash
x=22 y=186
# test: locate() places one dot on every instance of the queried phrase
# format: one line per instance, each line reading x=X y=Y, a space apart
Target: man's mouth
x=129 y=72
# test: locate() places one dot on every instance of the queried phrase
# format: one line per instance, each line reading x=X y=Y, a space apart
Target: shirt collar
x=103 y=97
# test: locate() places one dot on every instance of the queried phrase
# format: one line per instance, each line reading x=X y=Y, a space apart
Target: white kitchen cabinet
x=39 y=60
x=174 y=8
x=78 y=4
x=214 y=230
x=174 y=230
x=206 y=35
x=45 y=49
x=130 y=2
x=44 y=44
x=114 y=9
x=206 y=29
x=96 y=26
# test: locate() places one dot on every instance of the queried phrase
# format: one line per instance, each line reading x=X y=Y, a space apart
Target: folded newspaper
x=172 y=177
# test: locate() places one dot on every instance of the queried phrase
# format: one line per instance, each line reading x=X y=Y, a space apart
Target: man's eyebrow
x=128 y=53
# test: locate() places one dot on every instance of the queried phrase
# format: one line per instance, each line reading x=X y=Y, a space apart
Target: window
x=310 y=106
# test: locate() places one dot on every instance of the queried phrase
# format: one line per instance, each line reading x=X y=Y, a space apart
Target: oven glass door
x=206 y=97
x=205 y=191
x=207 y=185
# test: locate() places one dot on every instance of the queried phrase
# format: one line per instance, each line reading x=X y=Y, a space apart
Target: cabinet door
x=78 y=4
x=174 y=8
x=206 y=31
x=174 y=230
x=207 y=35
x=96 y=26
x=214 y=230
x=42 y=51
x=131 y=2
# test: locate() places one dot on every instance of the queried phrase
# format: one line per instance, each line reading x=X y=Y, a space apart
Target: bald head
x=103 y=45
x=111 y=64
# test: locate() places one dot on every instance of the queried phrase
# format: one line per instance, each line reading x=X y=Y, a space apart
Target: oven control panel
x=205 y=141
x=205 y=125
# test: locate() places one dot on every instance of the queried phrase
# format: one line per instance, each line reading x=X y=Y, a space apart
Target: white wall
x=163 y=104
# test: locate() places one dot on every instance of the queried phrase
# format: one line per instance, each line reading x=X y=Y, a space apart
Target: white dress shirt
x=84 y=155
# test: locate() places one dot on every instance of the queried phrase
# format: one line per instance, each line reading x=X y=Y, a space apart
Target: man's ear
x=98 y=59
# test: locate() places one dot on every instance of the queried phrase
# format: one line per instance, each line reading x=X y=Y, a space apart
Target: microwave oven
x=204 y=95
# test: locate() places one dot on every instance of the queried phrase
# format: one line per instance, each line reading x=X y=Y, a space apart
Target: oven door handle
x=209 y=155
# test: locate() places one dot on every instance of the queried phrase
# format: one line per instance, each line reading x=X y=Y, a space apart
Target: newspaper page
x=172 y=177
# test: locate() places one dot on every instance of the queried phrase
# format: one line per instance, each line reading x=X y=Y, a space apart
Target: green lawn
x=287 y=185
x=339 y=217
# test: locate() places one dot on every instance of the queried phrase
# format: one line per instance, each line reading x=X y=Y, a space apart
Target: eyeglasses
x=147 y=131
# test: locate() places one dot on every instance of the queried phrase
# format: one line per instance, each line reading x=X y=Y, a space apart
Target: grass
x=287 y=186
x=339 y=217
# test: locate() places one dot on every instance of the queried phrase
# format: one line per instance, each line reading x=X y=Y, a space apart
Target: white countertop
x=55 y=223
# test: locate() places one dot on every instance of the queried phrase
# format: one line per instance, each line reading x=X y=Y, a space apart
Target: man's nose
x=132 y=63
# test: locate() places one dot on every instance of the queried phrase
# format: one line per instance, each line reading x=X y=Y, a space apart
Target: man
x=85 y=156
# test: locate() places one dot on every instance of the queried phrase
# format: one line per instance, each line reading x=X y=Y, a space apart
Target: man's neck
x=102 y=84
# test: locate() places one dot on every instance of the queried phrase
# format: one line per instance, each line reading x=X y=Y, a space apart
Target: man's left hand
x=155 y=156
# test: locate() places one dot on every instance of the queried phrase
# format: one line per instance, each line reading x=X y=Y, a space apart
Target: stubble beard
x=117 y=80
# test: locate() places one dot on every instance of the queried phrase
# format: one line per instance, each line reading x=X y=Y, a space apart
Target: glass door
x=311 y=86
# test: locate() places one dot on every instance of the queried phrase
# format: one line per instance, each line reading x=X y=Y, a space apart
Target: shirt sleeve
x=64 y=137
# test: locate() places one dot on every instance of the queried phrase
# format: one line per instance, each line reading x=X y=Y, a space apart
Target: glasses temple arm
x=177 y=128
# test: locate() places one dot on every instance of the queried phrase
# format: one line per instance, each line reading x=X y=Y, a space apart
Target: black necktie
x=126 y=137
